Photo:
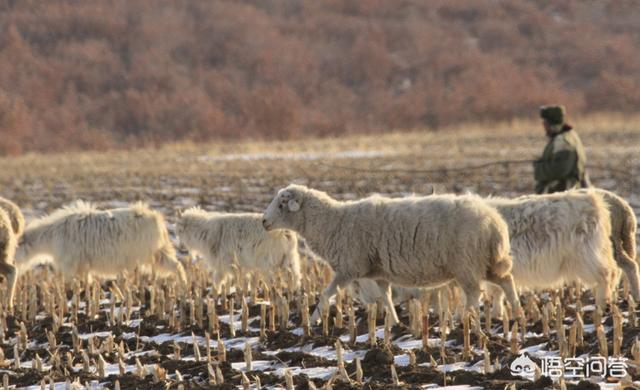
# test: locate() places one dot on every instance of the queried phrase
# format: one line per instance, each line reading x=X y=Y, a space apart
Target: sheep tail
x=629 y=234
x=502 y=267
x=7 y=238
x=502 y=259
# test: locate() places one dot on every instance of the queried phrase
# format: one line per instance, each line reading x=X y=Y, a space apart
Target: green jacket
x=562 y=165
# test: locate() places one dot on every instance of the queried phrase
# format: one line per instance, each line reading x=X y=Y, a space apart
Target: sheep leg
x=294 y=265
x=603 y=291
x=472 y=295
x=602 y=296
x=471 y=288
x=604 y=277
x=9 y=271
x=630 y=269
x=497 y=309
x=508 y=286
x=472 y=291
x=387 y=299
x=326 y=294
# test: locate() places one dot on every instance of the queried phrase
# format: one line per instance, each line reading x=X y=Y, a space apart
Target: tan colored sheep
x=413 y=241
x=84 y=240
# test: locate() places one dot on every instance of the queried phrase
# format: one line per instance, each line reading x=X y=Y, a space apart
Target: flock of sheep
x=491 y=244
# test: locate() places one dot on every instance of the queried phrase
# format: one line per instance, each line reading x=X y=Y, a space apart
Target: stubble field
x=140 y=330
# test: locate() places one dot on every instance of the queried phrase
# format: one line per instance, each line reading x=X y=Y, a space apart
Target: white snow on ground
x=85 y=336
x=324 y=373
x=405 y=342
x=534 y=349
x=329 y=353
x=110 y=369
x=277 y=367
x=257 y=365
x=401 y=360
x=56 y=386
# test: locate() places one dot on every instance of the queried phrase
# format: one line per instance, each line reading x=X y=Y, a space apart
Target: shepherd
x=562 y=165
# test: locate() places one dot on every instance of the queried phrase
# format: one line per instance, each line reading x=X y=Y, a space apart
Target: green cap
x=554 y=115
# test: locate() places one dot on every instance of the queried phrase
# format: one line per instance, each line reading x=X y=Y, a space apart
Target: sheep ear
x=293 y=205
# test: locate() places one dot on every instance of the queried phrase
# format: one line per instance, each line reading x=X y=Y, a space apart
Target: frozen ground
x=245 y=181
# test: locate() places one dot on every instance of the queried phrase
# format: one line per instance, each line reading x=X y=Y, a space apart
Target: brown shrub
x=95 y=74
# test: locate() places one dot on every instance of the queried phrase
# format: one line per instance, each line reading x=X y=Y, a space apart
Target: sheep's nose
x=264 y=223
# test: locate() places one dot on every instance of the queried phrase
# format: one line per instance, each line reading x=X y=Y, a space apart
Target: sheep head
x=284 y=210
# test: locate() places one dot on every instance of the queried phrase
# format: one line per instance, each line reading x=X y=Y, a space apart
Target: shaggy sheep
x=7 y=250
x=623 y=236
x=561 y=237
x=84 y=240
x=222 y=238
x=15 y=215
x=415 y=241
x=555 y=238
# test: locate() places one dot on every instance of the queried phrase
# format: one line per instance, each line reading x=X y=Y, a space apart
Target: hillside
x=101 y=74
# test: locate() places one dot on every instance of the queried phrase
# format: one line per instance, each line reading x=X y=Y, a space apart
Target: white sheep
x=7 y=250
x=82 y=240
x=555 y=238
x=414 y=241
x=15 y=215
x=559 y=238
x=623 y=237
x=222 y=238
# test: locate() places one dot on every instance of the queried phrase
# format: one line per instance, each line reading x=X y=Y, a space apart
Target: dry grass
x=244 y=176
